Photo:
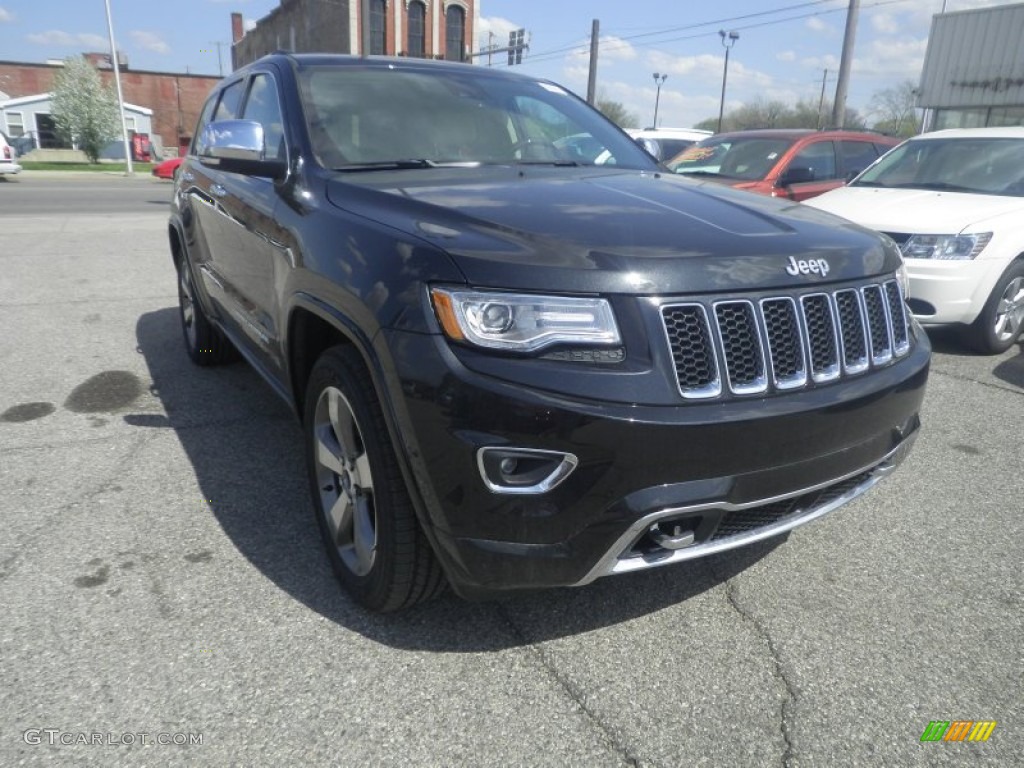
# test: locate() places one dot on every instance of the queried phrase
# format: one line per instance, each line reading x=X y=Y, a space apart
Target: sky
x=783 y=51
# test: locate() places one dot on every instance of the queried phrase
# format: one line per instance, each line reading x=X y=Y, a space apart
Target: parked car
x=953 y=201
x=167 y=169
x=666 y=143
x=795 y=164
x=515 y=370
x=7 y=157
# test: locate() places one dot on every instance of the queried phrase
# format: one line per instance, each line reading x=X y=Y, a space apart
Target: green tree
x=84 y=111
x=896 y=109
x=617 y=113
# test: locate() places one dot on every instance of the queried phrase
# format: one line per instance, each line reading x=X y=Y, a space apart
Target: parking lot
x=161 y=573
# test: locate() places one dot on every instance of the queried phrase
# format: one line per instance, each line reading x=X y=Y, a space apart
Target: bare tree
x=896 y=109
x=84 y=111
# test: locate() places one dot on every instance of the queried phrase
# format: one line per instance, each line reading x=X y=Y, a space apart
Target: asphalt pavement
x=161 y=577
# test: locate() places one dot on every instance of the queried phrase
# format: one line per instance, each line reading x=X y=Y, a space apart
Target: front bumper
x=785 y=460
x=944 y=292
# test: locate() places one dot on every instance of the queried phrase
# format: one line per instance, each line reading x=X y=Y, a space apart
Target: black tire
x=358 y=490
x=1001 y=320
x=204 y=344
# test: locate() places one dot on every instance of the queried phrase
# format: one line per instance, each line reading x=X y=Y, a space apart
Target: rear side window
x=230 y=98
x=204 y=120
x=820 y=157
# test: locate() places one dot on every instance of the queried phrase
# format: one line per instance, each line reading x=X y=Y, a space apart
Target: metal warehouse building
x=973 y=72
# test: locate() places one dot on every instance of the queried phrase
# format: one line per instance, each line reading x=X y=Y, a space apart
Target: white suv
x=7 y=155
x=954 y=202
x=666 y=143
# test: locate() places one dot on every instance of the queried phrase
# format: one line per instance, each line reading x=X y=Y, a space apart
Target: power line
x=582 y=47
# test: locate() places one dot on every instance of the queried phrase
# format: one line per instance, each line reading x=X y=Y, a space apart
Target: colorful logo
x=958 y=730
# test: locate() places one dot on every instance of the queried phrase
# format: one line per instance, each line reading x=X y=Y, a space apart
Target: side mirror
x=796 y=175
x=237 y=146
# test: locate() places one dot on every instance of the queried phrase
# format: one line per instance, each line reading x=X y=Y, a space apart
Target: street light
x=120 y=96
x=659 y=80
x=728 y=41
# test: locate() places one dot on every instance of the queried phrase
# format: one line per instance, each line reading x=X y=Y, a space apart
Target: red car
x=796 y=164
x=168 y=169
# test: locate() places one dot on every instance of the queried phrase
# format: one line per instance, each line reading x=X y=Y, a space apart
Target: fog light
x=523 y=470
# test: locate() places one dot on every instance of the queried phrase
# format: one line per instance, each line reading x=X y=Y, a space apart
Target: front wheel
x=1001 y=319
x=363 y=510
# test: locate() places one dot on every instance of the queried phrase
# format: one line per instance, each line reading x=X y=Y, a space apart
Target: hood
x=587 y=230
x=914 y=211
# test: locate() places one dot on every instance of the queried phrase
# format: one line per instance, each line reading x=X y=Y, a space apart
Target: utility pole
x=839 y=108
x=821 y=100
x=129 y=171
x=595 y=32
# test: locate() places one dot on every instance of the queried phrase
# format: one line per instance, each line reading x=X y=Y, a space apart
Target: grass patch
x=30 y=165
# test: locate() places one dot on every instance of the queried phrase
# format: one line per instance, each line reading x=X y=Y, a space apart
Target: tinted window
x=230 y=99
x=377 y=23
x=857 y=155
x=204 y=120
x=264 y=107
x=820 y=157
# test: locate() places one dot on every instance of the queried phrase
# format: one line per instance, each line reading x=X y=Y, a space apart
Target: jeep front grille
x=779 y=343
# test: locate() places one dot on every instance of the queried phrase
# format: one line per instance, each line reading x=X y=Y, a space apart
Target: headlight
x=523 y=322
x=945 y=246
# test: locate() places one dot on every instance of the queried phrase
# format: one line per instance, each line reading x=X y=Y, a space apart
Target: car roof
x=994 y=132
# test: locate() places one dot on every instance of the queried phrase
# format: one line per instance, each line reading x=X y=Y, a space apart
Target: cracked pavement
x=160 y=571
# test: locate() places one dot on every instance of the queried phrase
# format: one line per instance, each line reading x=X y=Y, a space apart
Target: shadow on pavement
x=245 y=447
x=1012 y=370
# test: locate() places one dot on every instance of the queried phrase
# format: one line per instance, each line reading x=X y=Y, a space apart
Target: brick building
x=176 y=99
x=433 y=29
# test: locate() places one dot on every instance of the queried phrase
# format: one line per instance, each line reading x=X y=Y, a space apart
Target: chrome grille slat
x=785 y=342
x=742 y=350
x=879 y=325
x=780 y=343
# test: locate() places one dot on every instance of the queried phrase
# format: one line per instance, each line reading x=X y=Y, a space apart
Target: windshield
x=974 y=165
x=744 y=158
x=371 y=117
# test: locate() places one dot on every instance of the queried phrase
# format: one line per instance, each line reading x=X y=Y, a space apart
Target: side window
x=204 y=120
x=230 y=98
x=820 y=157
x=857 y=155
x=882 y=149
x=264 y=107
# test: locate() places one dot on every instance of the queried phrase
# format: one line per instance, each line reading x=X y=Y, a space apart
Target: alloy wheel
x=344 y=481
x=1010 y=311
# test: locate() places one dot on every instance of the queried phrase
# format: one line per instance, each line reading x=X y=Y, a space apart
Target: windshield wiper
x=941 y=186
x=698 y=173
x=555 y=163
x=403 y=165
x=869 y=184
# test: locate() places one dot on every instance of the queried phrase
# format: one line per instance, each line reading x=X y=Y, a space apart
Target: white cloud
x=57 y=38
x=249 y=25
x=819 y=27
x=903 y=59
x=499 y=26
x=786 y=56
x=149 y=41
x=885 y=23
x=5 y=15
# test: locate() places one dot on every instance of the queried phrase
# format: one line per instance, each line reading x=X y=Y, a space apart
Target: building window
x=129 y=124
x=455 y=33
x=1006 y=116
x=960 y=118
x=417 y=26
x=377 y=25
x=15 y=125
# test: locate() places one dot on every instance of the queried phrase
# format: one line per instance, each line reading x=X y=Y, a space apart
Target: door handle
x=218 y=190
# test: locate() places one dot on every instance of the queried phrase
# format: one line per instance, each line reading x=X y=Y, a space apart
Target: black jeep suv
x=516 y=368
